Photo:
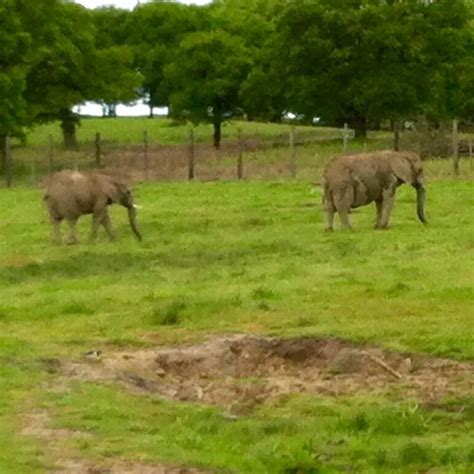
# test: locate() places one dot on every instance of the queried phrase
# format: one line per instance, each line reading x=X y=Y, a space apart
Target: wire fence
x=292 y=154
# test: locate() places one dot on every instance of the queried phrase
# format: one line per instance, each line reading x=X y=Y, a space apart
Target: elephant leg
x=56 y=230
x=96 y=221
x=100 y=210
x=378 y=205
x=329 y=210
x=72 y=239
x=343 y=204
x=388 y=198
x=329 y=220
x=344 y=216
x=106 y=222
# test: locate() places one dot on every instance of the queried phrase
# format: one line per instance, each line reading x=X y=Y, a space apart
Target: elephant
x=71 y=194
x=352 y=181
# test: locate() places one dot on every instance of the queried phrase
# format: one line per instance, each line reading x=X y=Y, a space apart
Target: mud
x=239 y=372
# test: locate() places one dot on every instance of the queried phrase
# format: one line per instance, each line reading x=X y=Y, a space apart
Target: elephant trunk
x=132 y=219
x=420 y=203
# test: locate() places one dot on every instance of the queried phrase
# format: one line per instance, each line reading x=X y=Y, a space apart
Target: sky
x=128 y=3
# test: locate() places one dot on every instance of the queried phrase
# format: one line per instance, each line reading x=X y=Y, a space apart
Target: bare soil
x=239 y=372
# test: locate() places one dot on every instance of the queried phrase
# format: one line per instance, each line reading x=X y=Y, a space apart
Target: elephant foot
x=328 y=229
x=381 y=227
x=72 y=241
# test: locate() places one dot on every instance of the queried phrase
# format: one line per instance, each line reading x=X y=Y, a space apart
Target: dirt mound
x=240 y=371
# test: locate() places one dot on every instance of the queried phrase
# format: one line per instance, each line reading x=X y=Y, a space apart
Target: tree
x=362 y=60
x=63 y=77
x=75 y=68
x=255 y=22
x=204 y=79
x=115 y=59
x=155 y=30
x=449 y=48
x=21 y=48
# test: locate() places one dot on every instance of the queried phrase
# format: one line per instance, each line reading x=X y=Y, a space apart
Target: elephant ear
x=112 y=190
x=403 y=169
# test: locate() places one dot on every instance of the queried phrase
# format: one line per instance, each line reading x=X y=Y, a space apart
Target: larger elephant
x=356 y=180
x=71 y=194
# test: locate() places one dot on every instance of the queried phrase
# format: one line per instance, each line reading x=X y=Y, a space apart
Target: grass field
x=161 y=131
x=223 y=258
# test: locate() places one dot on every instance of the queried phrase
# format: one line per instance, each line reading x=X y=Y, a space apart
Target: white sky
x=128 y=3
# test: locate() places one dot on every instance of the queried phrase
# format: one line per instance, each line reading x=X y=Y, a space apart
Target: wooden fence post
x=8 y=162
x=50 y=153
x=470 y=154
x=240 y=156
x=345 y=137
x=455 y=138
x=145 y=155
x=98 y=150
x=191 y=155
x=33 y=169
x=292 y=164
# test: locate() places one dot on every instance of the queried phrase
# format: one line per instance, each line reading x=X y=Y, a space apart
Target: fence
x=292 y=154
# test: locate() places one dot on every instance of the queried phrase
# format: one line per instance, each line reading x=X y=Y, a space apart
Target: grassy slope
x=238 y=257
x=160 y=131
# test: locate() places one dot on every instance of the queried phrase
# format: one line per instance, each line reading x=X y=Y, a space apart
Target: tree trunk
x=150 y=114
x=217 y=133
x=359 y=124
x=217 y=122
x=68 y=127
x=396 y=136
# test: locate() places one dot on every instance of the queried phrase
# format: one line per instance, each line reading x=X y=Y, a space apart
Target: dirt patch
x=238 y=372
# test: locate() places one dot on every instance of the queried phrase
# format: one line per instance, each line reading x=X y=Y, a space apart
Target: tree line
x=359 y=62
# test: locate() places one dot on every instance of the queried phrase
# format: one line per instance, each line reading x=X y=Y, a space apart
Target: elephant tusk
x=136 y=206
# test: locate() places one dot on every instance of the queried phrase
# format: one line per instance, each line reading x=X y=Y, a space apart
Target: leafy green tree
x=204 y=79
x=255 y=22
x=63 y=76
x=155 y=30
x=364 y=60
x=23 y=25
x=449 y=47
x=115 y=62
x=74 y=68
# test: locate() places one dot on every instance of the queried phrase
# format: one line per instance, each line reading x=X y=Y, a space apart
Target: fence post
x=145 y=154
x=455 y=138
x=240 y=156
x=345 y=136
x=470 y=154
x=8 y=162
x=33 y=169
x=98 y=151
x=191 y=155
x=292 y=152
x=50 y=153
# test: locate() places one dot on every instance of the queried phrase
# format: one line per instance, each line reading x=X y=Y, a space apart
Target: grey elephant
x=71 y=194
x=356 y=180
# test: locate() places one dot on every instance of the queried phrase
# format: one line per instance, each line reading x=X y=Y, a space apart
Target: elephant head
x=407 y=167
x=119 y=193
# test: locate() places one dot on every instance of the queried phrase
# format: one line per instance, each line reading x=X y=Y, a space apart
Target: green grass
x=161 y=131
x=238 y=257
